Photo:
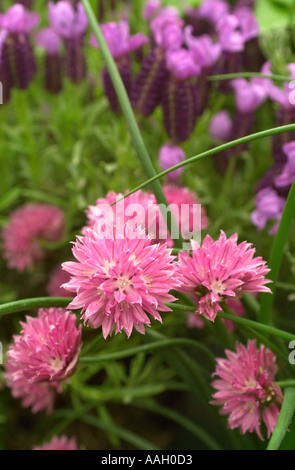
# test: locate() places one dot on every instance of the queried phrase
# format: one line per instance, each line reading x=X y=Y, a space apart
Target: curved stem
x=214 y=151
x=38 y=302
x=276 y=255
x=257 y=326
x=131 y=121
x=146 y=348
x=284 y=419
x=231 y=76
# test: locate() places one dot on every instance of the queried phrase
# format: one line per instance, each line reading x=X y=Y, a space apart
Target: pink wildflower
x=184 y=206
x=45 y=353
x=134 y=207
x=220 y=270
x=57 y=277
x=119 y=280
x=23 y=235
x=59 y=443
x=246 y=388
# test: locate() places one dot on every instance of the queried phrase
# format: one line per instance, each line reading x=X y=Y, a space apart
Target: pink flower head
x=167 y=29
x=118 y=38
x=67 y=21
x=288 y=175
x=213 y=10
x=230 y=35
x=219 y=270
x=269 y=206
x=59 y=443
x=57 y=278
x=220 y=125
x=133 y=208
x=49 y=40
x=171 y=155
x=45 y=353
x=18 y=19
x=249 y=95
x=181 y=63
x=119 y=280
x=188 y=213
x=204 y=51
x=246 y=388
x=23 y=235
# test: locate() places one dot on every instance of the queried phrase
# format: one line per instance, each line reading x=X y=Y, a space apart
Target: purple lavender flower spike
x=71 y=24
x=285 y=97
x=120 y=43
x=232 y=43
x=269 y=206
x=286 y=178
x=205 y=53
x=17 y=56
x=249 y=95
x=213 y=10
x=151 y=8
x=169 y=156
x=151 y=79
x=26 y=3
x=179 y=97
x=50 y=41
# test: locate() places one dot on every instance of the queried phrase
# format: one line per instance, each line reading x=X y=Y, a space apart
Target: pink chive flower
x=186 y=209
x=59 y=443
x=28 y=227
x=118 y=281
x=57 y=278
x=171 y=155
x=134 y=207
x=236 y=306
x=45 y=353
x=246 y=388
x=219 y=270
x=220 y=125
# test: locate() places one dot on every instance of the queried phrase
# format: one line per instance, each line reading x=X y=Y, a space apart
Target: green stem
x=284 y=419
x=286 y=383
x=131 y=122
x=276 y=256
x=257 y=326
x=214 y=151
x=178 y=418
x=125 y=434
x=146 y=348
x=38 y=302
x=231 y=76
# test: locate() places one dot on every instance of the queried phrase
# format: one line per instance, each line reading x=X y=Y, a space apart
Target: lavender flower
x=50 y=41
x=179 y=97
x=71 y=25
x=18 y=65
x=120 y=43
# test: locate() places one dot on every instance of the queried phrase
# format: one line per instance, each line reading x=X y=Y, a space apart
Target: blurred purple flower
x=269 y=206
x=67 y=21
x=171 y=155
x=220 y=125
x=288 y=175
